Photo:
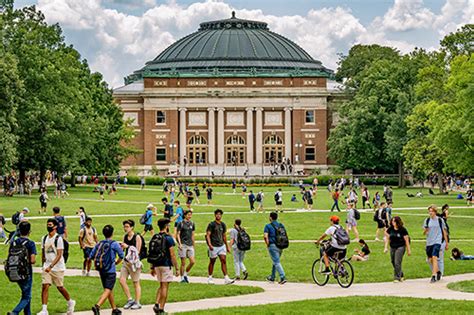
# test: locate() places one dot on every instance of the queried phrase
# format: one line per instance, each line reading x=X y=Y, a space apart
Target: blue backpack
x=103 y=259
x=61 y=224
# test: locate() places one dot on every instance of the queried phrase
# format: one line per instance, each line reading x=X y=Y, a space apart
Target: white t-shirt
x=50 y=252
x=330 y=232
x=82 y=218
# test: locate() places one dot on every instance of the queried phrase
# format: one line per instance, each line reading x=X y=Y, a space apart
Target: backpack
x=2 y=220
x=42 y=198
x=16 y=218
x=243 y=240
x=144 y=218
x=276 y=197
x=281 y=237
x=383 y=214
x=157 y=250
x=17 y=266
x=65 y=243
x=143 y=251
x=170 y=210
x=103 y=260
x=259 y=197
x=376 y=216
x=356 y=214
x=341 y=236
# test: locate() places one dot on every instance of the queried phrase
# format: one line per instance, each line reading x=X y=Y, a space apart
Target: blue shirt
x=149 y=215
x=30 y=247
x=115 y=250
x=271 y=230
x=61 y=224
x=180 y=213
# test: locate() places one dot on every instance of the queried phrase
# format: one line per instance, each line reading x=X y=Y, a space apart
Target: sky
x=119 y=36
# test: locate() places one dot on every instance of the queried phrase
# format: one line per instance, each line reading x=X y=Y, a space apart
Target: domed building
x=230 y=98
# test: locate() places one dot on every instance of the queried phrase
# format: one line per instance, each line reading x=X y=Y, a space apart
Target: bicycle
x=341 y=269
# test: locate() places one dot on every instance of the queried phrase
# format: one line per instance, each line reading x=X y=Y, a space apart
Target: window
x=310 y=154
x=160 y=117
x=310 y=117
x=161 y=154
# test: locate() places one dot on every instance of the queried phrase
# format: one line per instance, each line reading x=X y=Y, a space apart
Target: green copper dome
x=232 y=48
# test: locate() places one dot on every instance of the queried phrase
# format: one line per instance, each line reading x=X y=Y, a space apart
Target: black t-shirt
x=365 y=249
x=397 y=237
x=217 y=232
x=185 y=230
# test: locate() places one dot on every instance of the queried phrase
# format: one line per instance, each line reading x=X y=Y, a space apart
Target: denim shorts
x=433 y=250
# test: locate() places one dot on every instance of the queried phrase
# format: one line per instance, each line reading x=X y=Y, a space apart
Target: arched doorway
x=197 y=150
x=273 y=149
x=235 y=150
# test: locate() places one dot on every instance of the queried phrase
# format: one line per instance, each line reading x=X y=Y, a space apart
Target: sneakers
x=396 y=281
x=269 y=279
x=210 y=280
x=129 y=304
x=326 y=271
x=157 y=310
x=96 y=309
x=282 y=281
x=136 y=306
x=43 y=313
x=70 y=307
x=185 y=278
x=83 y=273
x=438 y=276
x=116 y=312
x=228 y=280
x=237 y=278
x=246 y=274
x=433 y=279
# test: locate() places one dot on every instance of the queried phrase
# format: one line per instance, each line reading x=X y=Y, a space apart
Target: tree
x=460 y=42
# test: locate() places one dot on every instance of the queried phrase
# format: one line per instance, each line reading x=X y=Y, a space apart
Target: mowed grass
x=463 y=286
x=86 y=291
x=303 y=228
x=353 y=305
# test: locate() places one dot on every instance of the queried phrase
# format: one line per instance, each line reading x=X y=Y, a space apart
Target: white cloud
x=118 y=42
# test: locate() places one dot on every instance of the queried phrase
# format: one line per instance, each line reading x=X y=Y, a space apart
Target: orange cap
x=334 y=219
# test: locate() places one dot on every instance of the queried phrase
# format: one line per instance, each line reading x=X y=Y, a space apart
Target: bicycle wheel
x=319 y=278
x=345 y=273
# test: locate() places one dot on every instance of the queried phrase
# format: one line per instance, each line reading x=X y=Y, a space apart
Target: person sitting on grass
x=457 y=254
x=362 y=253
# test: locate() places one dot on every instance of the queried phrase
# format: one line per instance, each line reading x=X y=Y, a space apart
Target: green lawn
x=86 y=290
x=463 y=286
x=353 y=305
x=303 y=227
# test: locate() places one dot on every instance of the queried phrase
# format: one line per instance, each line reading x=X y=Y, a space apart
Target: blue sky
x=119 y=36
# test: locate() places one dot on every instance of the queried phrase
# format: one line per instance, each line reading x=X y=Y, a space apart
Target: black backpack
x=281 y=236
x=341 y=236
x=42 y=198
x=356 y=214
x=259 y=197
x=157 y=250
x=143 y=251
x=144 y=218
x=65 y=243
x=376 y=216
x=243 y=240
x=276 y=197
x=17 y=266
x=16 y=218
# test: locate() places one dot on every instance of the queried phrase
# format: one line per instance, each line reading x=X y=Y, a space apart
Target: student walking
x=380 y=218
x=147 y=219
x=82 y=217
x=168 y=209
x=25 y=285
x=239 y=255
x=351 y=222
x=278 y=200
x=209 y=194
x=397 y=236
x=54 y=266
x=133 y=246
x=62 y=226
x=184 y=234
x=218 y=247
x=87 y=241
x=335 y=198
x=365 y=198
x=162 y=258
x=270 y=237
x=2 y=229
x=259 y=198
x=252 y=201
x=197 y=193
x=104 y=255
x=43 y=199
x=435 y=230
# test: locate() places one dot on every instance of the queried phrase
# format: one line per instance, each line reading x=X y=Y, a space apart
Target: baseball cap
x=334 y=219
x=150 y=206
x=26 y=209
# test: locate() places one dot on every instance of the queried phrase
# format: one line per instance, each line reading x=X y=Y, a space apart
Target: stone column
x=211 y=128
x=182 y=135
x=259 y=136
x=220 y=136
x=288 y=142
x=249 y=136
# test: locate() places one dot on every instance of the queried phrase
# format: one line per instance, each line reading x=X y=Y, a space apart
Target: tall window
x=273 y=148
x=310 y=154
x=160 y=117
x=160 y=154
x=197 y=150
x=309 y=117
x=235 y=150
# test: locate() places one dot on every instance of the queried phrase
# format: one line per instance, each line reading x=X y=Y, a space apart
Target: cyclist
x=334 y=245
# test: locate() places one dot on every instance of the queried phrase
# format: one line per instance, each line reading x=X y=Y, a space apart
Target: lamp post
x=172 y=147
x=196 y=163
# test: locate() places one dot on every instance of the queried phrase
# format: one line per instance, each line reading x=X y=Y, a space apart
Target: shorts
x=279 y=203
x=209 y=197
x=310 y=201
x=164 y=274
x=217 y=251
x=189 y=201
x=53 y=277
x=381 y=224
x=330 y=251
x=186 y=251
x=44 y=205
x=128 y=271
x=433 y=250
x=108 y=280
x=148 y=227
x=87 y=251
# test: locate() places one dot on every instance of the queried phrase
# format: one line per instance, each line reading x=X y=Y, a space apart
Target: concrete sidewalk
x=275 y=293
